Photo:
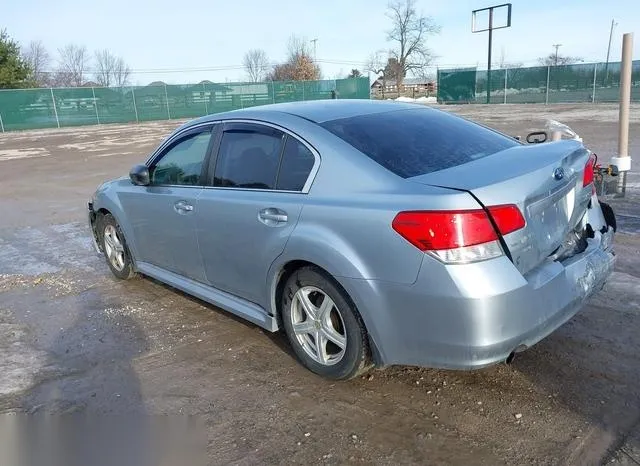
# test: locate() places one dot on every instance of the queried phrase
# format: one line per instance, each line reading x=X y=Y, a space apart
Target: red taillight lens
x=458 y=235
x=587 y=178
x=507 y=218
x=437 y=230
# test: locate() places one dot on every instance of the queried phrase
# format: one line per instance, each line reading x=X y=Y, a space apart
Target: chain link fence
x=60 y=107
x=593 y=82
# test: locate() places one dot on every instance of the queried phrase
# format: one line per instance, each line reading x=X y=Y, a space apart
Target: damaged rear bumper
x=476 y=315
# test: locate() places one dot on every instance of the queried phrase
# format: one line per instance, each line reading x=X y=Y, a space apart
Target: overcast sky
x=208 y=38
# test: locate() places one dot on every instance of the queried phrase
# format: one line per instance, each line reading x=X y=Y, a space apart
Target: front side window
x=249 y=158
x=181 y=164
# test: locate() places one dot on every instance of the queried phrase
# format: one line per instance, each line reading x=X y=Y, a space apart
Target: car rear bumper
x=476 y=315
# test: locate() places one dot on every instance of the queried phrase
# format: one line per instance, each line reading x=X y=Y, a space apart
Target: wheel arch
x=284 y=270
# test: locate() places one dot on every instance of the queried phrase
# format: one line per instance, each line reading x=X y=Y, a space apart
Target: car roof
x=317 y=111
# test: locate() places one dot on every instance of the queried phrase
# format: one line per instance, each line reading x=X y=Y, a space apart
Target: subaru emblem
x=558 y=173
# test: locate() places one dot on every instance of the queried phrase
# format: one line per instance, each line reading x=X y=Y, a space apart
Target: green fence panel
x=115 y=105
x=352 y=88
x=526 y=85
x=578 y=83
x=186 y=101
x=317 y=90
x=497 y=86
x=457 y=85
x=27 y=109
x=75 y=106
x=570 y=83
x=47 y=108
x=151 y=102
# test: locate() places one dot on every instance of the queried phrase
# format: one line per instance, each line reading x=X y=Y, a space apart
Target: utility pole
x=314 y=50
x=555 y=61
x=606 y=66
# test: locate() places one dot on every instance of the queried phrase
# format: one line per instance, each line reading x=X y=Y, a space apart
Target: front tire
x=115 y=248
x=323 y=326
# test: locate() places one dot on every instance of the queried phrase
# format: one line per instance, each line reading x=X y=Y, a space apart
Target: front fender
x=106 y=197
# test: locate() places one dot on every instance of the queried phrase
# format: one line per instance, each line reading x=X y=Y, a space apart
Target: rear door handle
x=273 y=216
x=182 y=207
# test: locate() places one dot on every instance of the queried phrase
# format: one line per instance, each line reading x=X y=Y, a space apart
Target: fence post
x=204 y=94
x=166 y=97
x=95 y=104
x=505 y=86
x=593 y=94
x=135 y=107
x=546 y=99
x=302 y=90
x=1 y=124
x=273 y=92
x=55 y=110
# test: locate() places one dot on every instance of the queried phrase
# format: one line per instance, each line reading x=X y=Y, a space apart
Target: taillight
x=507 y=218
x=458 y=236
x=587 y=178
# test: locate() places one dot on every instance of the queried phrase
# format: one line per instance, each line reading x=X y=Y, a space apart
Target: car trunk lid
x=545 y=181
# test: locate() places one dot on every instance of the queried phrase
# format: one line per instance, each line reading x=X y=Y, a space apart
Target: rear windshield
x=418 y=141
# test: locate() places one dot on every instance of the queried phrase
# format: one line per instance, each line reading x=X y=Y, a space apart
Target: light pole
x=555 y=60
x=315 y=41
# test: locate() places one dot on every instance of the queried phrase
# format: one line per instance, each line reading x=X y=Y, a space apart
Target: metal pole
x=546 y=99
x=606 y=66
x=206 y=107
x=505 y=86
x=166 y=97
x=273 y=92
x=1 y=124
x=625 y=100
x=489 y=56
x=302 y=90
x=135 y=107
x=55 y=110
x=95 y=104
x=595 y=72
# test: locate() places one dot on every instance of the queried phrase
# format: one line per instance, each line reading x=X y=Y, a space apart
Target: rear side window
x=248 y=159
x=418 y=141
x=297 y=162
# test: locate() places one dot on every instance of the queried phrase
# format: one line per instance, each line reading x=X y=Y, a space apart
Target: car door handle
x=182 y=207
x=273 y=216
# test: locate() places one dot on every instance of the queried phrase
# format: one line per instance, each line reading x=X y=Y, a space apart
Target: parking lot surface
x=75 y=339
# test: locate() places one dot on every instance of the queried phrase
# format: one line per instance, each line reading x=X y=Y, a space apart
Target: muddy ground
x=73 y=339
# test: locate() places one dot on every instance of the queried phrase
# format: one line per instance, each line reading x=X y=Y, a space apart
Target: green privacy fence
x=593 y=82
x=61 y=107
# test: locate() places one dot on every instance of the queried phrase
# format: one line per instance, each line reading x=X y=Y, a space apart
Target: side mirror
x=140 y=175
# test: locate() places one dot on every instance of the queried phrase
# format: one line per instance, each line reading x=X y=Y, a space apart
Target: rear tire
x=314 y=310
x=115 y=247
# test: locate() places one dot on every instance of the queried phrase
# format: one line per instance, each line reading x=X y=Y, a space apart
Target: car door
x=163 y=213
x=258 y=183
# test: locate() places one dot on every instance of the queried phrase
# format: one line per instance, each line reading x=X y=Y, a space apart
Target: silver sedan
x=371 y=233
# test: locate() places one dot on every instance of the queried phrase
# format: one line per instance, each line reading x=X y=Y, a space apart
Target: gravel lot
x=75 y=339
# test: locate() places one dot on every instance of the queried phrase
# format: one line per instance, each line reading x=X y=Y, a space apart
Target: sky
x=185 y=42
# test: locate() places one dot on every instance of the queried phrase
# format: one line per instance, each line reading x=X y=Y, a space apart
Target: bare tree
x=299 y=66
x=256 y=64
x=110 y=69
x=36 y=55
x=73 y=61
x=105 y=63
x=409 y=33
x=554 y=59
x=121 y=73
